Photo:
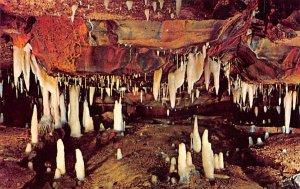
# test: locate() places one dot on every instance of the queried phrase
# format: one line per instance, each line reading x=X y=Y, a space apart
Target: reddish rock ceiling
x=263 y=48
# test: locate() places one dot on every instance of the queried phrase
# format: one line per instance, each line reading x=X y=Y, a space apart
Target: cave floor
x=145 y=146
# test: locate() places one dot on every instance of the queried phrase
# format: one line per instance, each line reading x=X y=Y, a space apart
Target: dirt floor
x=146 y=147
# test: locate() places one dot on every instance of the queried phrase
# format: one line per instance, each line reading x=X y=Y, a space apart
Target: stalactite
x=156 y=83
x=179 y=76
x=87 y=120
x=287 y=111
x=18 y=62
x=63 y=111
x=79 y=166
x=207 y=73
x=92 y=92
x=256 y=111
x=55 y=107
x=106 y=4
x=294 y=99
x=74 y=112
x=250 y=94
x=26 y=66
x=154 y=5
x=221 y=161
x=46 y=106
x=172 y=89
x=118 y=118
x=196 y=137
x=244 y=87
x=34 y=126
x=161 y=4
x=216 y=162
x=1 y=89
x=215 y=69
x=207 y=156
x=60 y=157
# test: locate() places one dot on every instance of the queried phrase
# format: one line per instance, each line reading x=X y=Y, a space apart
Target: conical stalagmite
x=79 y=166
x=60 y=157
x=34 y=126
x=207 y=156
x=196 y=137
x=182 y=166
x=87 y=120
x=74 y=112
x=156 y=82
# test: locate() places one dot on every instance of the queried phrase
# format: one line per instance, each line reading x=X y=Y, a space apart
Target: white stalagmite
x=129 y=4
x=63 y=111
x=178 y=7
x=34 y=126
x=87 y=120
x=216 y=162
x=207 y=73
x=207 y=156
x=118 y=118
x=172 y=89
x=79 y=166
x=215 y=67
x=26 y=65
x=92 y=92
x=60 y=157
x=119 y=154
x=74 y=112
x=182 y=166
x=73 y=9
x=57 y=174
x=221 y=160
x=156 y=83
x=1 y=89
x=147 y=14
x=250 y=94
x=244 y=86
x=179 y=76
x=287 y=111
x=18 y=62
x=28 y=148
x=196 y=137
x=256 y=111
x=294 y=100
x=161 y=3
x=278 y=109
x=1 y=118
x=189 y=162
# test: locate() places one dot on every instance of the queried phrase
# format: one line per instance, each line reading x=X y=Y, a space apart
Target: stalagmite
x=278 y=109
x=92 y=92
x=28 y=148
x=87 y=120
x=215 y=69
x=156 y=83
x=259 y=142
x=129 y=4
x=60 y=157
x=178 y=7
x=57 y=174
x=256 y=111
x=207 y=156
x=34 y=126
x=73 y=9
x=266 y=135
x=172 y=89
x=18 y=62
x=221 y=161
x=294 y=99
x=106 y=3
x=161 y=4
x=216 y=162
x=118 y=118
x=265 y=109
x=189 y=162
x=250 y=141
x=74 y=112
x=26 y=65
x=207 y=73
x=147 y=14
x=1 y=118
x=182 y=166
x=63 y=111
x=287 y=111
x=196 y=137
x=1 y=89
x=250 y=95
x=79 y=166
x=244 y=86
x=119 y=154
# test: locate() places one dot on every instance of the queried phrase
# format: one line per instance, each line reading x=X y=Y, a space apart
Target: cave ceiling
x=261 y=38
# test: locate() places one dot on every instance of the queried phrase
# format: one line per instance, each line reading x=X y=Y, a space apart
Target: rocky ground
x=145 y=146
